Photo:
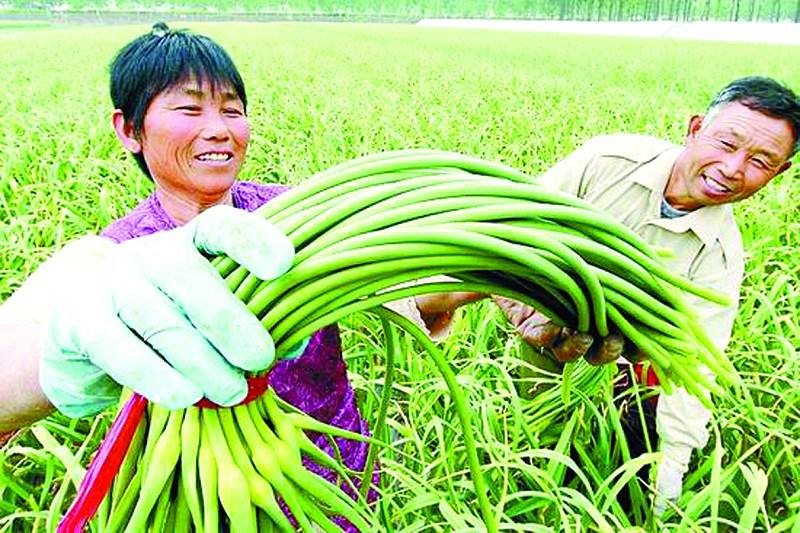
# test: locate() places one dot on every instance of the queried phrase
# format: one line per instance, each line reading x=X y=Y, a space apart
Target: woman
x=181 y=110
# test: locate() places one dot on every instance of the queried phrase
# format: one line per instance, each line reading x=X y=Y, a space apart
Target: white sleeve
x=681 y=422
x=681 y=419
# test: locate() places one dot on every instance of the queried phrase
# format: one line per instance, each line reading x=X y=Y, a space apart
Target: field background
x=320 y=94
x=369 y=10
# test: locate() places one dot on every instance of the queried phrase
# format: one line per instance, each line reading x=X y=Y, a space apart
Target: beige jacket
x=625 y=175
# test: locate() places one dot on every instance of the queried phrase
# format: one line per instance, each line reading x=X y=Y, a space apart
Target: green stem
x=462 y=410
x=315 y=322
x=383 y=408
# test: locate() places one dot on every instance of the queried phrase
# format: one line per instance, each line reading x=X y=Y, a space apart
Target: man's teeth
x=213 y=157
x=717 y=186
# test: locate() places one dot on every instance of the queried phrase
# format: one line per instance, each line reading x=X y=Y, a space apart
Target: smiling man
x=679 y=197
x=730 y=154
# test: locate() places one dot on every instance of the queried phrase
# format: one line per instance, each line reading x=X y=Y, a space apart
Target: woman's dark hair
x=764 y=95
x=160 y=59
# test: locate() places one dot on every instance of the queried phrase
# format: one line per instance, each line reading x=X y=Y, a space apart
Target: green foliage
x=322 y=94
x=734 y=10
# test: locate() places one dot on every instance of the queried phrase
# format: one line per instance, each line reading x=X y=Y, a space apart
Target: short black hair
x=764 y=95
x=160 y=59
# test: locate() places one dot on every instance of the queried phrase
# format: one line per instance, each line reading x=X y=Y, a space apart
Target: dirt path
x=754 y=32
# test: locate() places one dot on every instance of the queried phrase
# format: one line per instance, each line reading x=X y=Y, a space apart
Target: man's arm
x=574 y=172
x=681 y=420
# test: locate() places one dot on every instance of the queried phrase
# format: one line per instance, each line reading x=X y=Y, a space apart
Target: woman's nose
x=214 y=126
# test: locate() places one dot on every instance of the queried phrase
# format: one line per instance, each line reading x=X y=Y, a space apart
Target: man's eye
x=190 y=109
x=233 y=112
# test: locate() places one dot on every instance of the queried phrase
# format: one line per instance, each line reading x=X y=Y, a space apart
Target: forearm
x=437 y=310
x=681 y=419
x=21 y=399
x=24 y=327
x=432 y=312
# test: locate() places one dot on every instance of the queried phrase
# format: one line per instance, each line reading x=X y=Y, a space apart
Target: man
x=679 y=198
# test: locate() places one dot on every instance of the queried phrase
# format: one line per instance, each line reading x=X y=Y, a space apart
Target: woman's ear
x=125 y=132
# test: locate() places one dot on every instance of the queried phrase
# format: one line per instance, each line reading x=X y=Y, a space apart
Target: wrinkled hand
x=564 y=344
x=155 y=316
x=669 y=484
x=436 y=310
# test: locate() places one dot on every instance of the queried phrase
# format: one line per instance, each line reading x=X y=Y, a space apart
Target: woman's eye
x=760 y=163
x=727 y=145
x=190 y=109
x=233 y=112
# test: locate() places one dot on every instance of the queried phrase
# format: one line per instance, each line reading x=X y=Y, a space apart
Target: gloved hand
x=681 y=421
x=156 y=317
x=669 y=483
x=562 y=343
x=293 y=352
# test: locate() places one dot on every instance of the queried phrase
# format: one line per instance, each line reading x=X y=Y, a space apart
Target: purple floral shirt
x=316 y=382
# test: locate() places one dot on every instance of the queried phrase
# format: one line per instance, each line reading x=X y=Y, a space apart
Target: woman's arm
x=23 y=328
x=151 y=314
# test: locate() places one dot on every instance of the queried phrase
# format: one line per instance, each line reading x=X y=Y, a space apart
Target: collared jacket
x=625 y=175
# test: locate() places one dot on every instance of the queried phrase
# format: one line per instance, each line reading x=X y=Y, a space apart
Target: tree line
x=597 y=10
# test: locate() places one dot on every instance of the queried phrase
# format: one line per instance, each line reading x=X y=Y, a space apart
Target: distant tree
x=672 y=10
x=688 y=10
x=595 y=10
x=655 y=10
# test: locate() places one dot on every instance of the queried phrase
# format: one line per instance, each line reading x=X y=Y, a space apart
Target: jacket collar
x=706 y=222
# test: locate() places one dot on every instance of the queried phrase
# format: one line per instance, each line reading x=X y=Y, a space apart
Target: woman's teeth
x=213 y=157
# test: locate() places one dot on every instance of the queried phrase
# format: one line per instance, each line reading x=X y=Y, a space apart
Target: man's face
x=729 y=157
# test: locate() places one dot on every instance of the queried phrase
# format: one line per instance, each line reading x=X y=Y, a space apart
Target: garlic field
x=552 y=447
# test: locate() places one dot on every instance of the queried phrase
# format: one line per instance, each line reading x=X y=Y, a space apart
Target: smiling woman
x=183 y=116
x=181 y=111
x=193 y=141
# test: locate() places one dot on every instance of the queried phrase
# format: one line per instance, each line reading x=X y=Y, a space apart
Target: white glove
x=669 y=478
x=156 y=317
x=669 y=483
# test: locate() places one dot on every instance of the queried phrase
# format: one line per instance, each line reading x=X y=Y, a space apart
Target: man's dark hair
x=764 y=95
x=160 y=59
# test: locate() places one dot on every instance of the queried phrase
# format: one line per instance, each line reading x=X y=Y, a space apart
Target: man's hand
x=155 y=316
x=436 y=310
x=669 y=484
x=564 y=344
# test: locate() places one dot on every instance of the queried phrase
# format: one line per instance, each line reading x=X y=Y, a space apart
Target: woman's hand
x=437 y=309
x=154 y=315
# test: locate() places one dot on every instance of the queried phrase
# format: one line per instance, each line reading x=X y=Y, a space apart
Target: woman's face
x=194 y=140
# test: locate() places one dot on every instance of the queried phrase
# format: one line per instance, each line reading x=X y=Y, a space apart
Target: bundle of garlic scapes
x=362 y=231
